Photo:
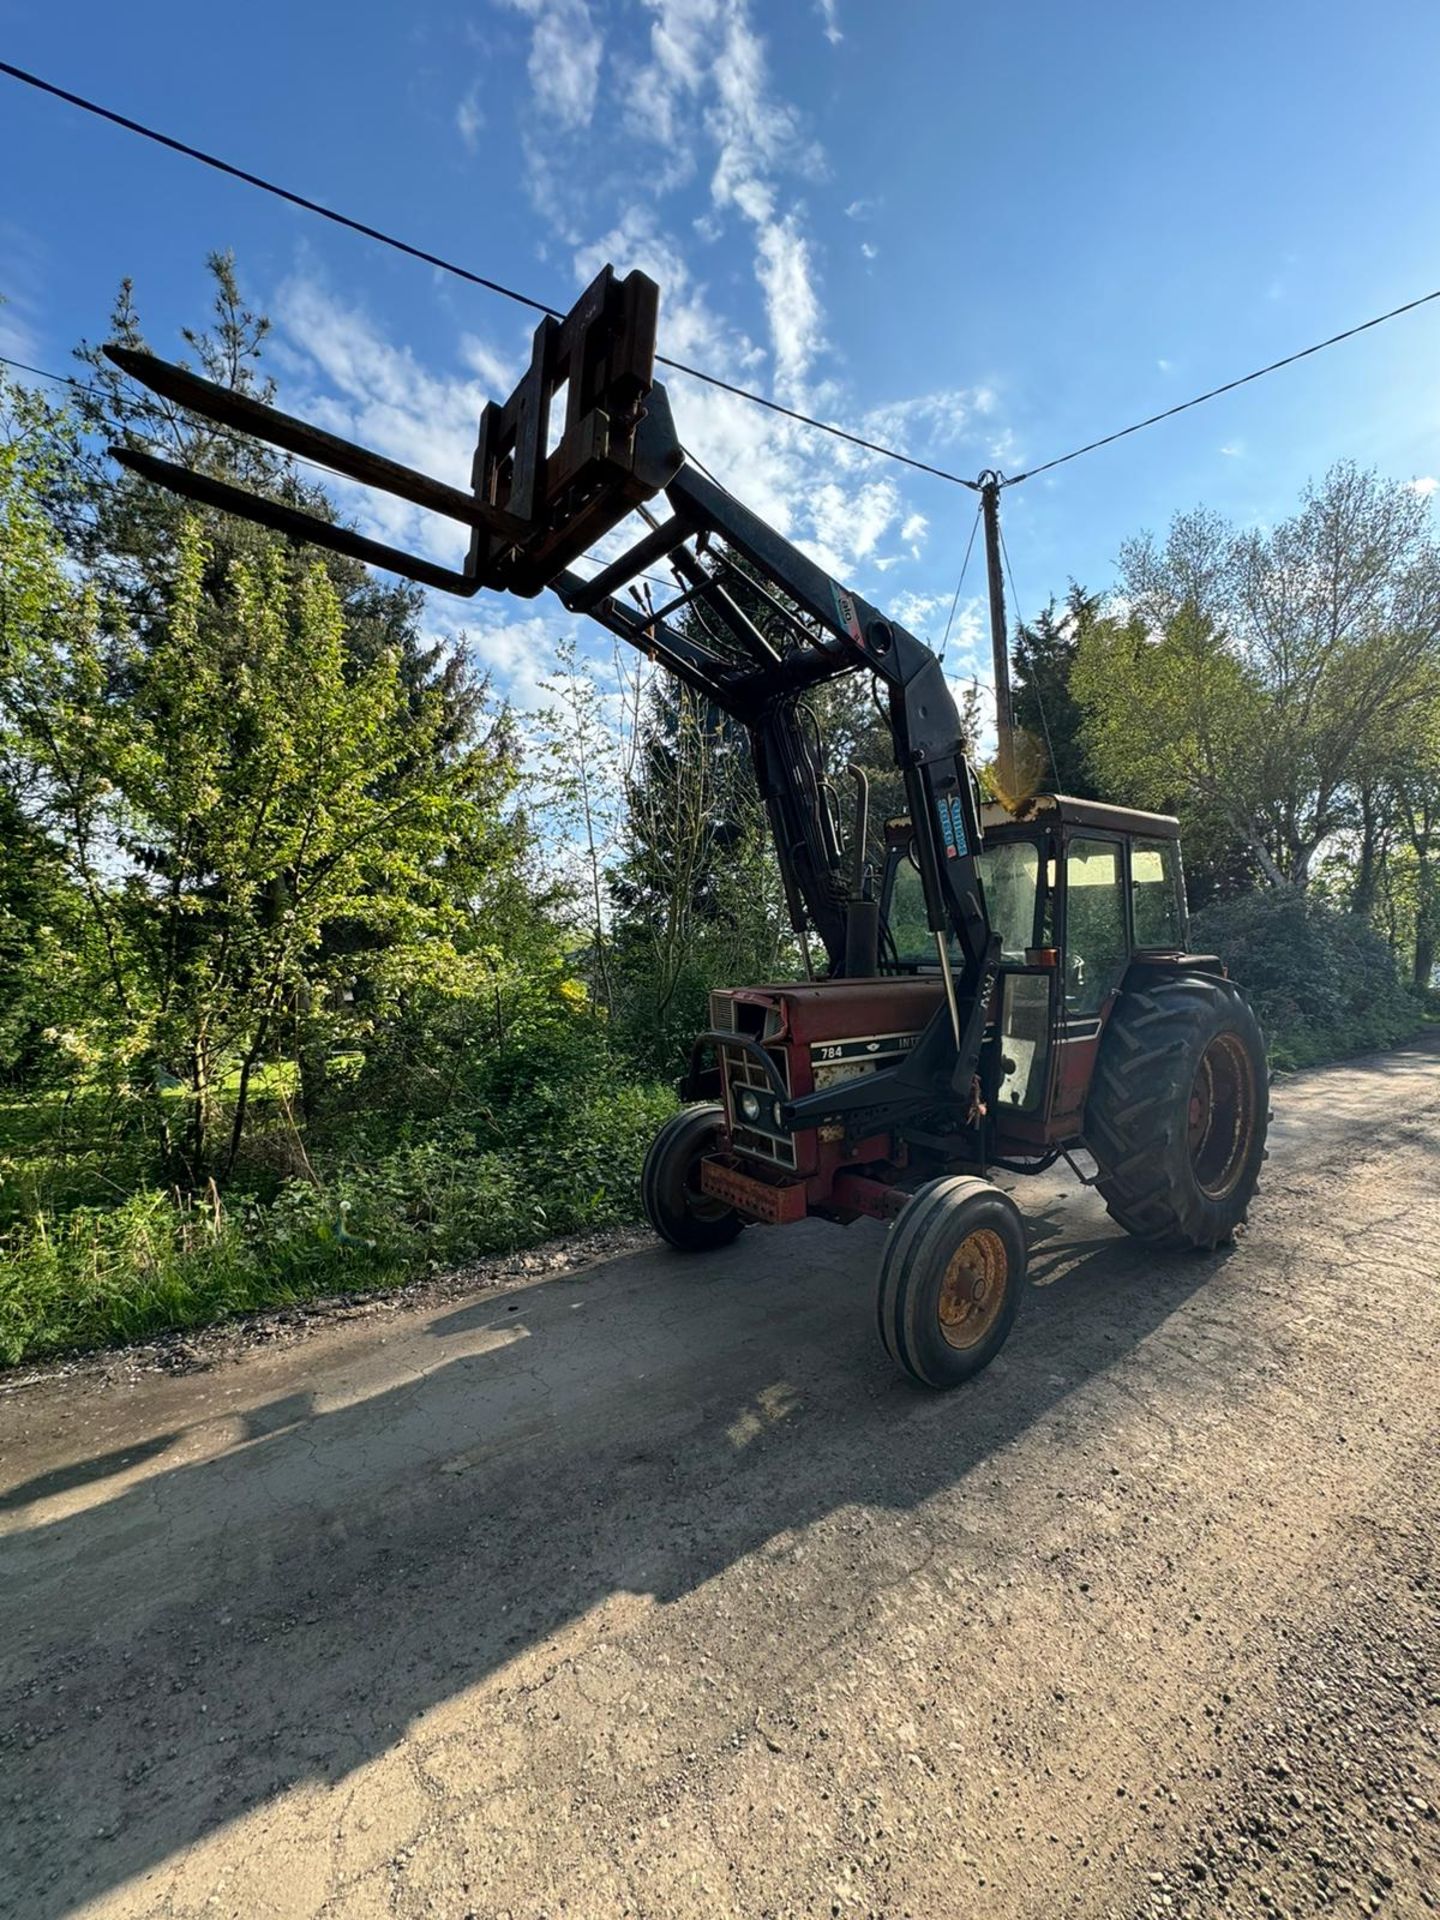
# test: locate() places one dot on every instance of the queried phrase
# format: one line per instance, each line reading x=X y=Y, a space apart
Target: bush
x=1323 y=983
x=455 y=1196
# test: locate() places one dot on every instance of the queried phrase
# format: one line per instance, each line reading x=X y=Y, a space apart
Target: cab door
x=1094 y=927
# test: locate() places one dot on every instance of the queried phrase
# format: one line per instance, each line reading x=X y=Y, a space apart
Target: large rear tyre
x=950 y=1280
x=670 y=1183
x=1178 y=1110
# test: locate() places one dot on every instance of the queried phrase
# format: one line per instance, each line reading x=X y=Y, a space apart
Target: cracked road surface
x=650 y=1589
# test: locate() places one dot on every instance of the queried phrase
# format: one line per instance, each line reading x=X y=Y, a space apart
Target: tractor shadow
x=341 y=1568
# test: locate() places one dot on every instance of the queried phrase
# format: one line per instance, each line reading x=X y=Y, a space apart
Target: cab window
x=1096 y=944
x=1010 y=875
x=1155 y=902
x=914 y=942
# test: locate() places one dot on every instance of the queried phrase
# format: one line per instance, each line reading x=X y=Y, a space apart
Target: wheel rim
x=973 y=1289
x=1222 y=1115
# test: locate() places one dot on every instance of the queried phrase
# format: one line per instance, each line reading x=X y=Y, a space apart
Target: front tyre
x=1178 y=1110
x=950 y=1280
x=670 y=1183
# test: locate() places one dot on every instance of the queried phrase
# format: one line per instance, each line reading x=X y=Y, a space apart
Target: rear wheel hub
x=1222 y=1115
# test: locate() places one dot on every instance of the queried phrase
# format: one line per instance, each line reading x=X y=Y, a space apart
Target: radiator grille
x=741 y=1070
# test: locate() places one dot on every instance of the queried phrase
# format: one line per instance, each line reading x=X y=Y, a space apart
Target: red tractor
x=1007 y=990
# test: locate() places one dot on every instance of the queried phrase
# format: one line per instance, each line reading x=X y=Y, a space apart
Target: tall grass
x=98 y=1276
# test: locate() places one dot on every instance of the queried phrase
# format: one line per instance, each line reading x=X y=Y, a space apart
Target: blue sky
x=985 y=233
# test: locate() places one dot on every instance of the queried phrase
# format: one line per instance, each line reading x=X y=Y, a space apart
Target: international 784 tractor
x=1007 y=989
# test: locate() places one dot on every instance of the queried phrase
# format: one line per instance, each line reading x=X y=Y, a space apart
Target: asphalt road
x=651 y=1589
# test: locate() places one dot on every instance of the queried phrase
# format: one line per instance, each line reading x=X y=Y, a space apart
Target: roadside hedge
x=1323 y=983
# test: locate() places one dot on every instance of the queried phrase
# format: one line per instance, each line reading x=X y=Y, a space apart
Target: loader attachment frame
x=540 y=499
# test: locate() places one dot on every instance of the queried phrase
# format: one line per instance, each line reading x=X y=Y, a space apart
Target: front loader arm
x=538 y=503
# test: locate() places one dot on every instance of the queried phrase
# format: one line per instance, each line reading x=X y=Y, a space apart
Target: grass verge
x=101 y=1276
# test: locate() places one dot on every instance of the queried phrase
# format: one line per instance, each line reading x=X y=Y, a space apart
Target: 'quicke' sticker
x=952 y=826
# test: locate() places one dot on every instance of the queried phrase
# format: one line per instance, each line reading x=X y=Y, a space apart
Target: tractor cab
x=1079 y=893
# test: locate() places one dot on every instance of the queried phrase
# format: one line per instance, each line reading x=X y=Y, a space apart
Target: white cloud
x=969 y=637
x=1425 y=485
x=862 y=209
x=934 y=419
x=518 y=655
x=20 y=293
x=755 y=134
x=842 y=527
x=565 y=52
x=918 y=610
x=1163 y=365
x=469 y=119
x=791 y=303
x=699 y=108
x=497 y=371
x=829 y=12
x=1235 y=450
x=17 y=338
x=869 y=250
x=704 y=95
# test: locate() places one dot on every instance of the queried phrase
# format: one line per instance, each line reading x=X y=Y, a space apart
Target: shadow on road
x=342 y=1568
x=85 y=1473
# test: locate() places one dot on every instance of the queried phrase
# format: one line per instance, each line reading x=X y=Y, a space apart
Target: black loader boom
x=1035 y=995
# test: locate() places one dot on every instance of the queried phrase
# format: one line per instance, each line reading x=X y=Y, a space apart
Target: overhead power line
x=370 y=232
x=449 y=266
x=1229 y=386
x=43 y=373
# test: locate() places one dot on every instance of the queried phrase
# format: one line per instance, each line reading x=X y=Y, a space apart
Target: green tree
x=37 y=908
x=1172 y=722
x=585 y=732
x=123 y=530
x=1257 y=669
x=1416 y=788
x=1046 y=708
x=694 y=886
x=227 y=789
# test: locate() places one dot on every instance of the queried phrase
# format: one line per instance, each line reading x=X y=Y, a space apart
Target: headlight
x=749 y=1104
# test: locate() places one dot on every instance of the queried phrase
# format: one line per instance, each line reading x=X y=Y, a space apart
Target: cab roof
x=1066 y=810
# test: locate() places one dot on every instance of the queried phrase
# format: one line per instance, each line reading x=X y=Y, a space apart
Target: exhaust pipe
x=862 y=913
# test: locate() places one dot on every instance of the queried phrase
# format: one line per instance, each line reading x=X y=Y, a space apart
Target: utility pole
x=990 y=484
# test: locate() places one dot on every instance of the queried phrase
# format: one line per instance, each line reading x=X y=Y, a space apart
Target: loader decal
x=846 y=614
x=952 y=826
